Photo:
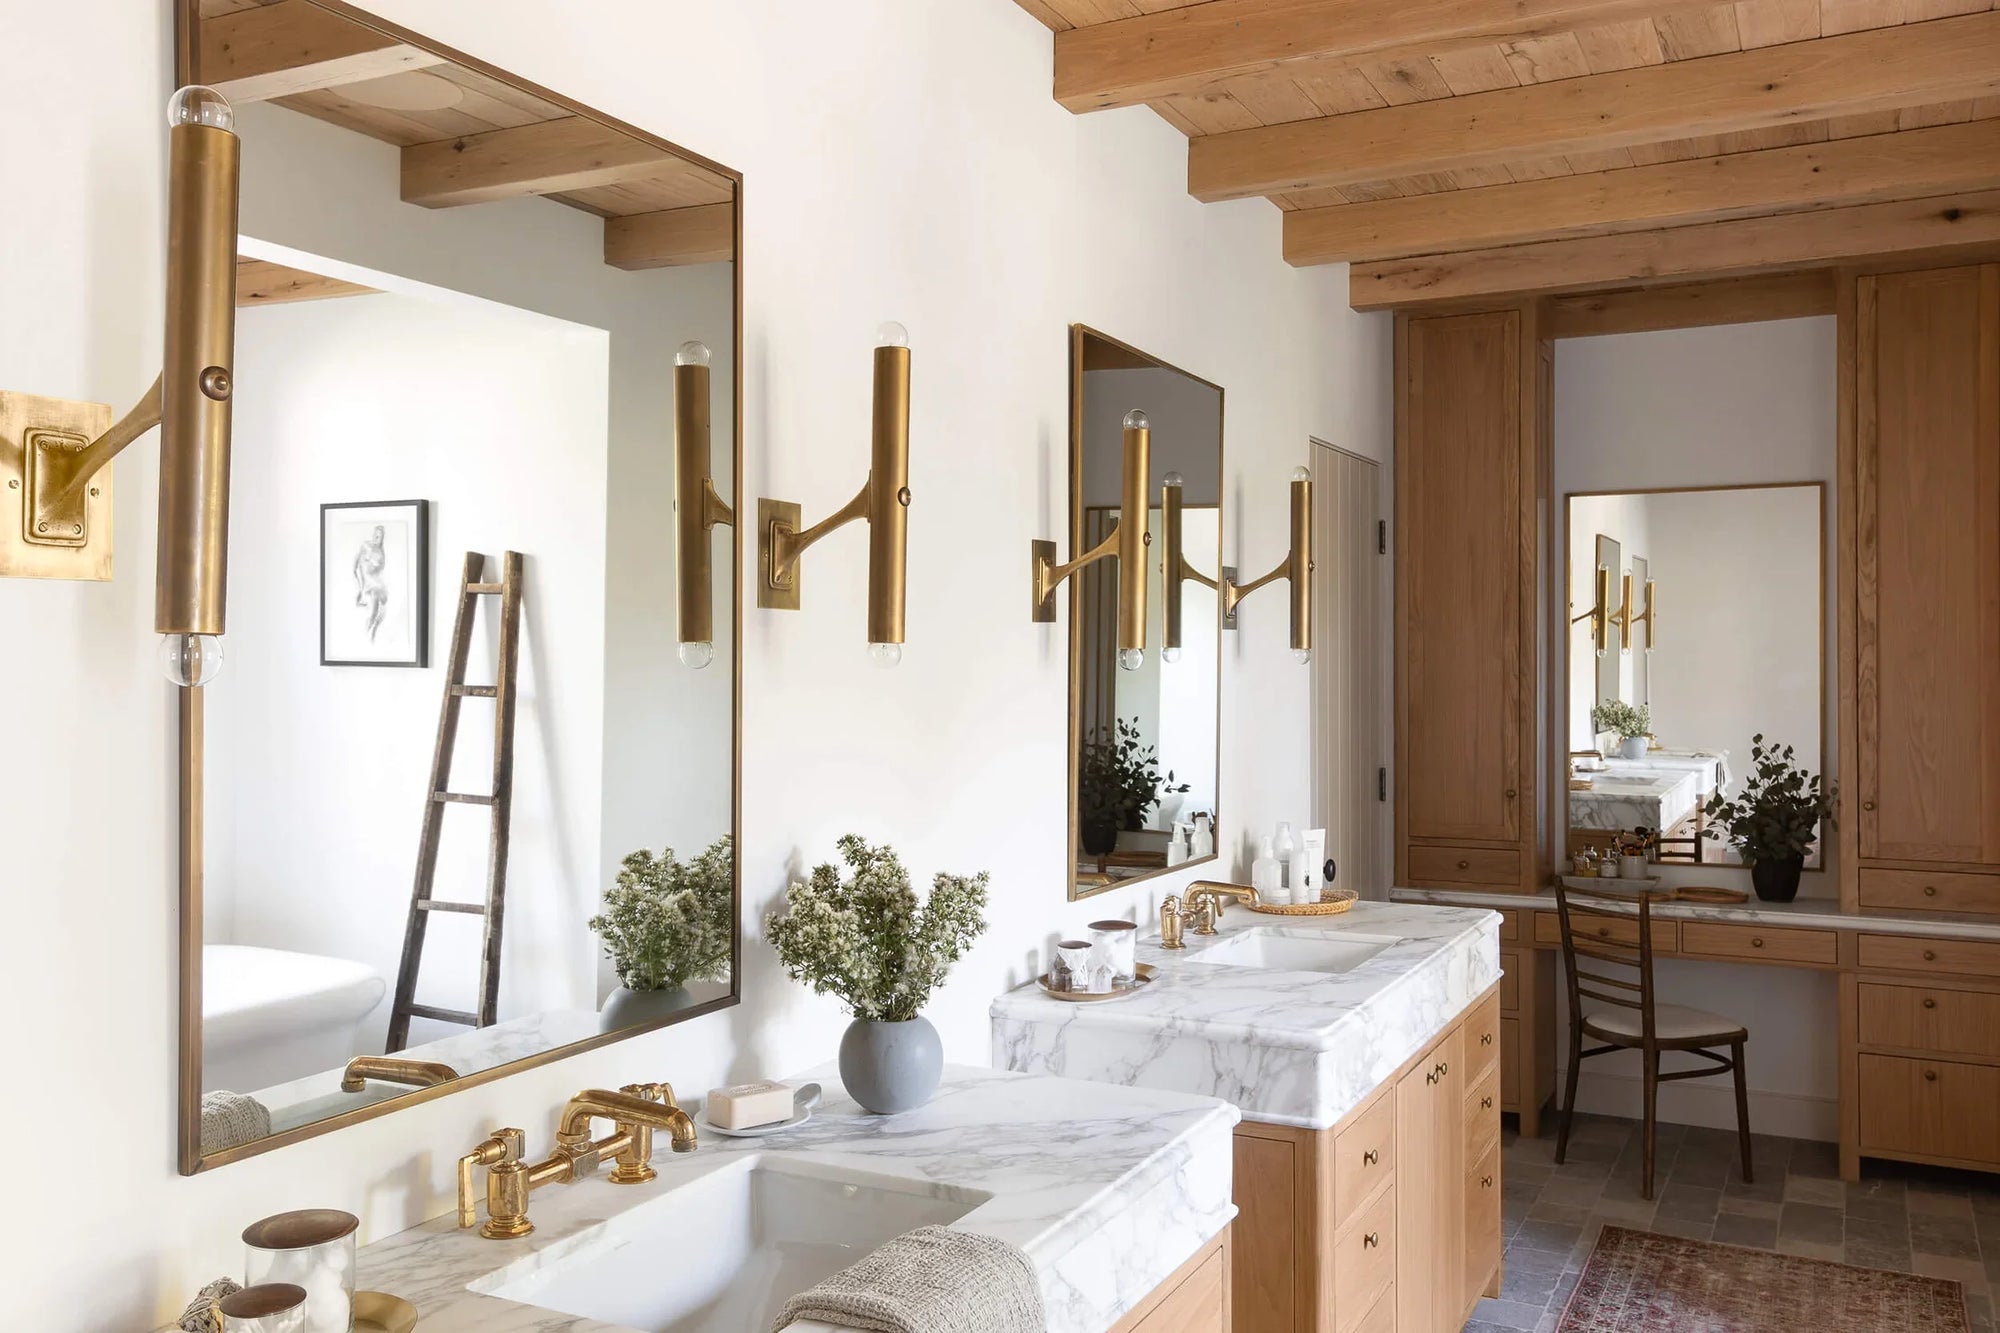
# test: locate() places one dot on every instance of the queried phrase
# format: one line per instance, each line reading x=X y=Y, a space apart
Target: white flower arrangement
x=666 y=922
x=867 y=941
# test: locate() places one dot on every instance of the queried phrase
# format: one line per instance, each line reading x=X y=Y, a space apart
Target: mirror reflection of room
x=439 y=836
x=1147 y=727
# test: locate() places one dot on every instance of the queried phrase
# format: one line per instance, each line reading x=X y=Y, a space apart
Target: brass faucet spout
x=625 y=1108
x=390 y=1069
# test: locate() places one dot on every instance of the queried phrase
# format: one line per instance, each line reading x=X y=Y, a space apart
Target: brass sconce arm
x=1174 y=567
x=698 y=508
x=883 y=501
x=1599 y=615
x=1127 y=542
x=1296 y=568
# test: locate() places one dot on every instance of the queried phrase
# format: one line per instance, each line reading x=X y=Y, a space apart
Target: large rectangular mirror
x=464 y=798
x=1697 y=622
x=1145 y=733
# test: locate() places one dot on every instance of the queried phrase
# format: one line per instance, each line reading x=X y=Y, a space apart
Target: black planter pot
x=1777 y=881
x=1099 y=836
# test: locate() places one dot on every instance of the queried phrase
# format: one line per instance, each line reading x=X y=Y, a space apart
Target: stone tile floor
x=1909 y=1218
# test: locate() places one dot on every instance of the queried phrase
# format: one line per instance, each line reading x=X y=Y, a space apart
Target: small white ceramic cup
x=1073 y=958
x=1632 y=867
x=314 y=1249
x=269 y=1307
x=1116 y=945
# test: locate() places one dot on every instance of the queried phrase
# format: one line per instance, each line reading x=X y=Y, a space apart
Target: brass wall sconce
x=883 y=501
x=61 y=488
x=1127 y=542
x=697 y=507
x=1600 y=614
x=1174 y=567
x=1625 y=619
x=1296 y=568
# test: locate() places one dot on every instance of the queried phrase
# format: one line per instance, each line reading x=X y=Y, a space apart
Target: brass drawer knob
x=1510 y=793
x=1444 y=1067
x=1930 y=1076
x=1868 y=805
x=1372 y=1239
x=1930 y=955
x=1756 y=941
x=1485 y=1039
x=1930 y=890
x=1485 y=1103
x=1431 y=1077
x=1371 y=1157
x=1465 y=865
x=1486 y=1182
x=1930 y=1002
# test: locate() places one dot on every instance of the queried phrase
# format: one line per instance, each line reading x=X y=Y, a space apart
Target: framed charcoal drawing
x=374 y=583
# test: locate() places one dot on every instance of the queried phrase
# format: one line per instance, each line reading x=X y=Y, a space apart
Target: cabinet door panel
x=1928 y=564
x=1459 y=563
x=1930 y=1108
x=1266 y=1231
x=1482 y=1225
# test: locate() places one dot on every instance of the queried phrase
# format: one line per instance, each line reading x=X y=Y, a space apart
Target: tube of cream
x=1306 y=866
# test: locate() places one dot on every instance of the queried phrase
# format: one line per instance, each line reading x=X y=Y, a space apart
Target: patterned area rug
x=1638 y=1282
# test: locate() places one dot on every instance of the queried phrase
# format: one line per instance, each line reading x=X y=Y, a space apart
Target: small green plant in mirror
x=1624 y=720
x=1118 y=779
x=865 y=939
x=1774 y=822
x=667 y=922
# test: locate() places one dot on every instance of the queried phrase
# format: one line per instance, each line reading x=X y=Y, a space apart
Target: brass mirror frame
x=190 y=868
x=1140 y=360
x=1559 y=710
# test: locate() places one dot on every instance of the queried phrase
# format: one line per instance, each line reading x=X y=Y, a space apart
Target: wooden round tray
x=1331 y=903
x=1142 y=974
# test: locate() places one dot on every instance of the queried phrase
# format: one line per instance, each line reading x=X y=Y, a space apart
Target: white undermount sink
x=723 y=1253
x=1294 y=950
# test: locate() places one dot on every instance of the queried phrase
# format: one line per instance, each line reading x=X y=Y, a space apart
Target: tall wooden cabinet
x=1470 y=524
x=1925 y=799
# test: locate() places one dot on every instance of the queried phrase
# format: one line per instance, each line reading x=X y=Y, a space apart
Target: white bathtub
x=269 y=1016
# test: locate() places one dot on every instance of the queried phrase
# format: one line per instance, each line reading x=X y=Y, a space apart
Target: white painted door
x=1348 y=672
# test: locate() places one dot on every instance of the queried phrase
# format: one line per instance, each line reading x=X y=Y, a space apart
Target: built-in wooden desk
x=1919 y=1011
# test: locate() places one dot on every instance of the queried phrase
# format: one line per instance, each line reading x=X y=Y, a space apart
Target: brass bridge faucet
x=391 y=1069
x=635 y=1112
x=1205 y=899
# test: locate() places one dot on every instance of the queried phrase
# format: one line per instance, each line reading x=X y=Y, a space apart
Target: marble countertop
x=1108 y=1190
x=1815 y=913
x=1287 y=1047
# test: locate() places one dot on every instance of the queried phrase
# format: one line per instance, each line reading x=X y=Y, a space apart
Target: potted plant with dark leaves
x=1633 y=726
x=665 y=923
x=1117 y=781
x=867 y=941
x=1774 y=821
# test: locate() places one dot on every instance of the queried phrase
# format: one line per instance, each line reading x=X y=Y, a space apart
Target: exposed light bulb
x=693 y=352
x=885 y=655
x=1302 y=474
x=190 y=659
x=697 y=653
x=1302 y=655
x=1171 y=653
x=1136 y=420
x=1131 y=659
x=892 y=334
x=199 y=105
x=1174 y=479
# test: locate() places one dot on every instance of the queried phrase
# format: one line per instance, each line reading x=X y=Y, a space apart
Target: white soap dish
x=804 y=1098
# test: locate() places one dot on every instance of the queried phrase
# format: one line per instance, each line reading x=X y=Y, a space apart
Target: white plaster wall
x=1709 y=407
x=889 y=175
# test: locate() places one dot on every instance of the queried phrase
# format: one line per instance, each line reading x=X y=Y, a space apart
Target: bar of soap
x=748 y=1105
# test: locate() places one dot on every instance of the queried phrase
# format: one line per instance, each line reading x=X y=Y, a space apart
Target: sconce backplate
x=773 y=596
x=41 y=538
x=1041 y=558
x=1228 y=577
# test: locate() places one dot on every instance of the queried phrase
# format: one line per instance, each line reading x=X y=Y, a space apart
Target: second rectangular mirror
x=1144 y=727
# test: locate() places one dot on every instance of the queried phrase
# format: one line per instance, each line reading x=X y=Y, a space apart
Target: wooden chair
x=1611 y=998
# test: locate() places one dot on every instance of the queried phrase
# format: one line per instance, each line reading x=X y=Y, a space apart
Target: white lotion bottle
x=1177 y=846
x=1267 y=876
x=1306 y=863
x=1284 y=847
x=1204 y=838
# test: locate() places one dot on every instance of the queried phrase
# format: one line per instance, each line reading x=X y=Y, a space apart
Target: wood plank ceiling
x=1454 y=149
x=467 y=137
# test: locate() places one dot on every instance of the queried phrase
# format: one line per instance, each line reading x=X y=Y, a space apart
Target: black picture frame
x=404 y=580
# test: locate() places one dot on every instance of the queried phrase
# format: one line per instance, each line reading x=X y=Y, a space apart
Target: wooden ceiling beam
x=1915 y=164
x=1883 y=69
x=1189 y=50
x=1692 y=305
x=1966 y=223
x=703 y=234
x=548 y=157
x=266 y=282
x=289 y=47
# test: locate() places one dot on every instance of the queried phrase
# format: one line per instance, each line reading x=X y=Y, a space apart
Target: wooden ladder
x=499 y=803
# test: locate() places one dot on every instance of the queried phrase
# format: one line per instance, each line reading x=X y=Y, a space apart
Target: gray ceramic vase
x=891 y=1067
x=625 y=1008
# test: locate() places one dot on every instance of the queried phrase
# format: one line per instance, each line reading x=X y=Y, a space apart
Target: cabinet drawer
x=1510 y=927
x=1465 y=865
x=1482 y=1114
x=1930 y=1108
x=1364 y=1261
x=1929 y=1018
x=1364 y=1155
x=1510 y=987
x=1510 y=1063
x=1482 y=1220
x=1930 y=891
x=1917 y=953
x=1549 y=931
x=1761 y=944
x=1480 y=1037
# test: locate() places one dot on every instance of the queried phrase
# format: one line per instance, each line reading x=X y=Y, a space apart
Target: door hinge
x=1381 y=784
x=1381 y=536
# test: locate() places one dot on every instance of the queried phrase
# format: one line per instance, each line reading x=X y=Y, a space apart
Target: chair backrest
x=1607 y=952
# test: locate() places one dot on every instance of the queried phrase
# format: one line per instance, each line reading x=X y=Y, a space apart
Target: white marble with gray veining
x=1814 y=913
x=1289 y=1048
x=1108 y=1190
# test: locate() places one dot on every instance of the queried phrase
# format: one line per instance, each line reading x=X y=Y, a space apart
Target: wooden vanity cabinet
x=1194 y=1300
x=1389 y=1222
x=1925 y=671
x=1470 y=481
